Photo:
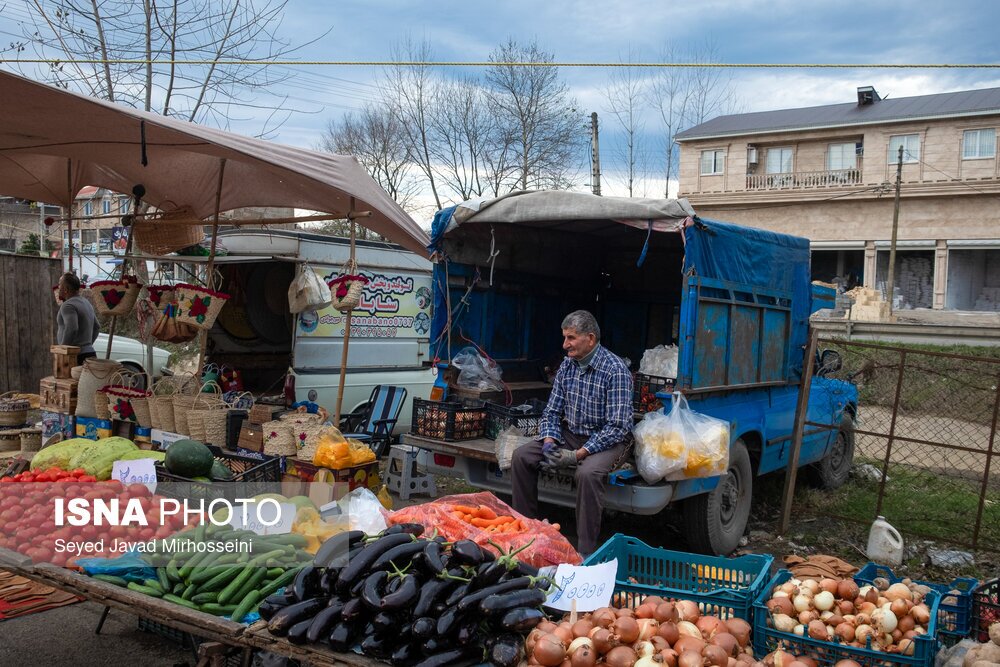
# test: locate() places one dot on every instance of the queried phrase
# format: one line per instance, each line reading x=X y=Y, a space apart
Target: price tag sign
x=259 y=515
x=590 y=586
x=138 y=471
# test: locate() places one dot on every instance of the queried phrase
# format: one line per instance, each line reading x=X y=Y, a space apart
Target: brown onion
x=808 y=662
x=846 y=607
x=829 y=585
x=687 y=610
x=645 y=610
x=781 y=606
x=709 y=626
x=669 y=632
x=715 y=655
x=906 y=646
x=898 y=592
x=603 y=617
x=689 y=659
x=623 y=656
x=647 y=628
x=549 y=651
x=847 y=663
x=686 y=643
x=584 y=656
x=688 y=628
x=583 y=627
x=665 y=612
x=659 y=643
x=654 y=600
x=726 y=642
x=845 y=631
x=847 y=589
x=626 y=629
x=807 y=617
x=740 y=629
x=899 y=608
x=546 y=626
x=668 y=657
x=906 y=623
x=796 y=663
x=817 y=630
x=564 y=631
x=603 y=640
x=921 y=614
x=623 y=611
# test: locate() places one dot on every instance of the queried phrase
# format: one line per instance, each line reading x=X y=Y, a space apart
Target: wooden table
x=483 y=449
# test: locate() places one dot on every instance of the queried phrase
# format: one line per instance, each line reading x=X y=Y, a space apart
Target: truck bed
x=476 y=462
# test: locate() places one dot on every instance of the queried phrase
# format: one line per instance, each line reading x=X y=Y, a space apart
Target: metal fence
x=927 y=455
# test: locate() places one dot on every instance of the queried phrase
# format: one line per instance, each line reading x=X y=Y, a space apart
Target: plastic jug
x=885 y=544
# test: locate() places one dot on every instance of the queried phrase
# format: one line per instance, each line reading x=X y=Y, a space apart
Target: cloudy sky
x=748 y=31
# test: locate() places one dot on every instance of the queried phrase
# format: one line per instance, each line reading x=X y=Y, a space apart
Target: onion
x=603 y=617
x=871 y=595
x=603 y=640
x=687 y=610
x=668 y=631
x=715 y=655
x=725 y=641
x=899 y=608
x=796 y=663
x=847 y=589
x=781 y=606
x=867 y=607
x=689 y=659
x=807 y=661
x=800 y=630
x=896 y=635
x=647 y=628
x=654 y=600
x=549 y=651
x=689 y=629
x=583 y=627
x=647 y=661
x=846 y=607
x=807 y=617
x=696 y=644
x=564 y=631
x=577 y=643
x=709 y=625
x=829 y=585
x=626 y=629
x=622 y=656
x=643 y=648
x=801 y=603
x=847 y=663
x=584 y=657
x=740 y=629
x=898 y=592
x=546 y=626
x=862 y=633
x=623 y=611
x=665 y=612
x=824 y=600
x=783 y=623
x=659 y=643
x=645 y=610
x=788 y=588
x=817 y=630
x=906 y=623
x=779 y=658
x=906 y=646
x=845 y=631
x=884 y=620
x=668 y=657
x=921 y=614
x=811 y=585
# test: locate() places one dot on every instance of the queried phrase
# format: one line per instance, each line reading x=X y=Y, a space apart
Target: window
x=88 y=209
x=911 y=148
x=106 y=206
x=979 y=144
x=779 y=160
x=841 y=156
x=712 y=162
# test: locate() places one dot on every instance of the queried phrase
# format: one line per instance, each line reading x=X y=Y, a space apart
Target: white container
x=885 y=544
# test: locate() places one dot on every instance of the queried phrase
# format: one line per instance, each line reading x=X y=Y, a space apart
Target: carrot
x=485 y=523
x=464 y=509
x=486 y=513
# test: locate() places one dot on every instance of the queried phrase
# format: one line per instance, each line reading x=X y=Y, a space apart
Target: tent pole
x=347 y=334
x=210 y=267
x=69 y=228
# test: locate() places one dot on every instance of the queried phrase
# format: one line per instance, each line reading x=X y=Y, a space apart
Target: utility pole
x=595 y=157
x=895 y=230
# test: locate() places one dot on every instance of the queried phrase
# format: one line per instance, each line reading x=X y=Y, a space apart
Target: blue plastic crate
x=953 y=616
x=829 y=653
x=725 y=587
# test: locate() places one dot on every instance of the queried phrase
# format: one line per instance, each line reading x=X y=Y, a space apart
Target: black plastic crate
x=644 y=388
x=185 y=639
x=447 y=420
x=527 y=417
x=246 y=470
x=985 y=609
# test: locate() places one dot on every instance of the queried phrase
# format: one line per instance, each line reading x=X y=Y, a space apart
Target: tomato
x=44 y=477
x=87 y=478
x=27 y=478
x=7 y=480
x=147 y=534
x=78 y=472
x=138 y=490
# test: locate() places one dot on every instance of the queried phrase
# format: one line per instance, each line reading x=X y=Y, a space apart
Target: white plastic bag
x=364 y=510
x=509 y=440
x=476 y=371
x=307 y=291
x=683 y=444
x=660 y=361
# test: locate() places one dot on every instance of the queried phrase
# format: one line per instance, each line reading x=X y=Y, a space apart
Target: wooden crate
x=63 y=359
x=58 y=394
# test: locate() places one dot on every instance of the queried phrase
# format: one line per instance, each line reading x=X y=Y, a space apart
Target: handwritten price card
x=590 y=586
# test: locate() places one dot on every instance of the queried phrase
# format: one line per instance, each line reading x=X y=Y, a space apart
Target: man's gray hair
x=582 y=322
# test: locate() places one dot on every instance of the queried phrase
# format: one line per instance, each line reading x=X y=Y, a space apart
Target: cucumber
x=289 y=539
x=282 y=580
x=202 y=598
x=189 y=592
x=200 y=532
x=264 y=557
x=217 y=609
x=236 y=584
x=173 y=573
x=249 y=602
x=275 y=572
x=110 y=579
x=253 y=583
x=181 y=601
x=190 y=564
x=203 y=574
x=161 y=576
x=178 y=588
x=220 y=580
x=153 y=583
x=139 y=588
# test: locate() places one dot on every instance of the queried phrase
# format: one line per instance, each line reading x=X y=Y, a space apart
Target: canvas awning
x=54 y=142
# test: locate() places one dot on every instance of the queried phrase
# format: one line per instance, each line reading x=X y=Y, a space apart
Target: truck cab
x=735 y=300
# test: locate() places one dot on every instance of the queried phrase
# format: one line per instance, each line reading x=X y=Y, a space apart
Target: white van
x=276 y=351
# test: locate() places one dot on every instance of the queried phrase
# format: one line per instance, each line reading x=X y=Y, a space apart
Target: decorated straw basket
x=198 y=306
x=115 y=297
x=168 y=232
x=346 y=289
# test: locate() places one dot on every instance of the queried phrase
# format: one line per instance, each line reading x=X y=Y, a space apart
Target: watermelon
x=189 y=458
x=220 y=472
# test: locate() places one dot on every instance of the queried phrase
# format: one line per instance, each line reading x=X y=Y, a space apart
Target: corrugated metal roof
x=965 y=102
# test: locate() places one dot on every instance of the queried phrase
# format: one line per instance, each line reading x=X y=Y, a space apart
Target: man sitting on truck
x=586 y=425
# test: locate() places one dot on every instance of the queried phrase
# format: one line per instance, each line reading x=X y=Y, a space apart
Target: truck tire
x=714 y=522
x=833 y=470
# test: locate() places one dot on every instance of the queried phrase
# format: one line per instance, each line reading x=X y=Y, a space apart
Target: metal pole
x=69 y=224
x=895 y=228
x=347 y=335
x=801 y=410
x=595 y=157
x=210 y=267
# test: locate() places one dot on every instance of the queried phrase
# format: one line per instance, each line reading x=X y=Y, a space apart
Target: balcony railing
x=803 y=179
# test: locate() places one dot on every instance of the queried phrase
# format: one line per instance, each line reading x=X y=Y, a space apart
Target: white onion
x=801 y=603
x=784 y=623
x=578 y=642
x=823 y=600
x=884 y=620
x=800 y=630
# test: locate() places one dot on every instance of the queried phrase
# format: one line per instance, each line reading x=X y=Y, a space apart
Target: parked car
x=131 y=354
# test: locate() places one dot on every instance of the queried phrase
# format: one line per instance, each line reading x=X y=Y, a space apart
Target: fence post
x=801 y=412
x=986 y=472
x=892 y=432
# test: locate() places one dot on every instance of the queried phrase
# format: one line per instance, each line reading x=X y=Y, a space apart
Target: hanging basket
x=170 y=330
x=346 y=289
x=160 y=295
x=115 y=297
x=168 y=232
x=198 y=306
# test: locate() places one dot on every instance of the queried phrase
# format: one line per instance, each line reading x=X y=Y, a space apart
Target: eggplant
x=361 y=563
x=424 y=627
x=432 y=560
x=526 y=570
x=284 y=619
x=375 y=646
x=468 y=632
x=383 y=621
x=521 y=620
x=429 y=593
x=392 y=585
x=452 y=656
x=374 y=589
x=505 y=650
x=337 y=547
x=438 y=608
x=448 y=623
x=499 y=604
x=473 y=599
x=281 y=599
x=342 y=636
x=306 y=583
x=328 y=579
x=414 y=529
x=399 y=556
x=298 y=632
x=467 y=552
x=404 y=655
x=457 y=594
x=403 y=597
x=352 y=610
x=324 y=621
x=356 y=589
x=488 y=574
x=267 y=610
x=433 y=645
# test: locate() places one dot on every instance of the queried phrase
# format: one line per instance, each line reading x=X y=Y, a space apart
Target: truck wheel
x=139 y=379
x=833 y=470
x=714 y=522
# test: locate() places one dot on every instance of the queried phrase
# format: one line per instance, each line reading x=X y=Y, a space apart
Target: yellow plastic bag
x=331 y=450
x=360 y=453
x=384 y=497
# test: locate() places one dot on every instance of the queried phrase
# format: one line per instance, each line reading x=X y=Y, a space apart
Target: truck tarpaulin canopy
x=54 y=142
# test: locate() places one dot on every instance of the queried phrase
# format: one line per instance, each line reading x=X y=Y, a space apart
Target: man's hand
x=559 y=458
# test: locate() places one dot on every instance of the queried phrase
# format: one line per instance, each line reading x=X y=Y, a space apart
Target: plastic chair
x=377 y=420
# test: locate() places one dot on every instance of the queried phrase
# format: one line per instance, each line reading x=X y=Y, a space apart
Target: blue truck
x=735 y=300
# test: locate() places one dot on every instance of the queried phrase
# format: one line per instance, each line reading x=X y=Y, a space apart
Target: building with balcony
x=828 y=173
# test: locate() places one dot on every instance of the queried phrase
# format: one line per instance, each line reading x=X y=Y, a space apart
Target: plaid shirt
x=595 y=401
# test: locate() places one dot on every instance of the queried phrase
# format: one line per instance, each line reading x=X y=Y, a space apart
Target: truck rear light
x=289 y=390
x=444 y=460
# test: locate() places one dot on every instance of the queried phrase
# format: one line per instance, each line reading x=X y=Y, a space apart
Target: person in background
x=585 y=428
x=76 y=322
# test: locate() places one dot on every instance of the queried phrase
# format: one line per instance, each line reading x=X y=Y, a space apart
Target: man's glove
x=559 y=458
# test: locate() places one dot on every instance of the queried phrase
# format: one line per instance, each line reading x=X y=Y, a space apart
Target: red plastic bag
x=548 y=548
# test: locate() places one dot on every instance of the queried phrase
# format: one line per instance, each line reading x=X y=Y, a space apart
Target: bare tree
x=626 y=101
x=374 y=137
x=537 y=118
x=215 y=54
x=411 y=93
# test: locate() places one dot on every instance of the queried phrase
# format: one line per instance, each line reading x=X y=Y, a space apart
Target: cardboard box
x=58 y=422
x=93 y=428
x=58 y=395
x=163 y=439
x=323 y=485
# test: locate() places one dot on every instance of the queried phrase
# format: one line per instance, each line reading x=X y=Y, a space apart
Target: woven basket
x=96 y=374
x=160 y=295
x=215 y=426
x=279 y=438
x=31 y=439
x=143 y=414
x=168 y=232
x=101 y=409
x=184 y=404
x=346 y=289
x=203 y=406
x=165 y=392
x=116 y=297
x=10 y=440
x=306 y=429
x=121 y=403
x=199 y=306
x=13 y=411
